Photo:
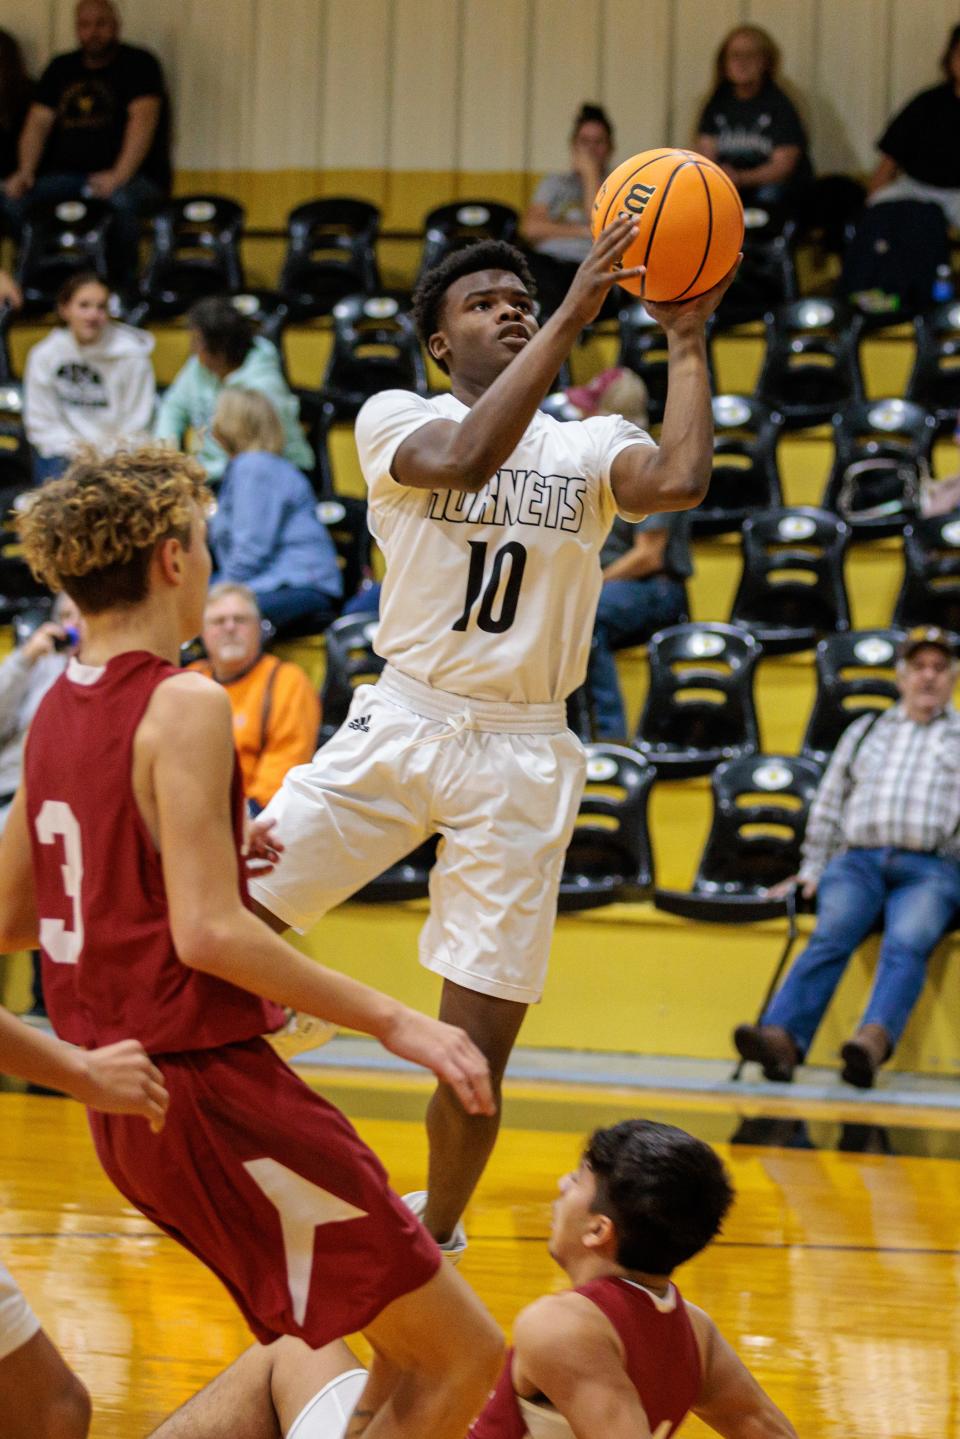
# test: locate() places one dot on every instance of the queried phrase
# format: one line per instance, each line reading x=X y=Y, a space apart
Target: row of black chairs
x=811 y=367
x=195 y=249
x=610 y=857
x=700 y=709
x=760 y=808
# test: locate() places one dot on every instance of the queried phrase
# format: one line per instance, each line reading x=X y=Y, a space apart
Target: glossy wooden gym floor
x=837 y=1277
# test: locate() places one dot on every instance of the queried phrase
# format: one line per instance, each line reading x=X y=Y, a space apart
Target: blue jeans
x=364 y=602
x=295 y=604
x=916 y=895
x=129 y=202
x=629 y=612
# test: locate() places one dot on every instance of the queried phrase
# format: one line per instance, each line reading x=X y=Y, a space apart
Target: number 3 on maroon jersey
x=56 y=820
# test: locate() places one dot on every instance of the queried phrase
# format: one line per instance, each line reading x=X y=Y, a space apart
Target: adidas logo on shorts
x=362 y=723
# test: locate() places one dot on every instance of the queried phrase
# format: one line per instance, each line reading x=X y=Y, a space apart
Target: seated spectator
x=25 y=676
x=265 y=532
x=98 y=127
x=644 y=565
x=882 y=844
x=920 y=148
x=556 y=224
x=276 y=714
x=16 y=92
x=226 y=353
x=90 y=381
x=749 y=126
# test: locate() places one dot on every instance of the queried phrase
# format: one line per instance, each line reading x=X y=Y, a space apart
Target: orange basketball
x=691 y=221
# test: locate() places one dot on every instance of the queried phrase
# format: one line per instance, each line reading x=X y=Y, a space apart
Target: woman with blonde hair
x=265 y=532
x=749 y=126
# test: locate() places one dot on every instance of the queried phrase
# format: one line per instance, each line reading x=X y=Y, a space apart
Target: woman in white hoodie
x=89 y=382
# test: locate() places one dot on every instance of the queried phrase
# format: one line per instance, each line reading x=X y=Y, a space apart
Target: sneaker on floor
x=453 y=1248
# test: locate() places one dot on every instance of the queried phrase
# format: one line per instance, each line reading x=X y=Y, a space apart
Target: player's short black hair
x=429 y=294
x=225 y=332
x=666 y=1192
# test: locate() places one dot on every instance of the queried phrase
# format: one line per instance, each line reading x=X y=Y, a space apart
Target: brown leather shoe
x=769 y=1046
x=863 y=1055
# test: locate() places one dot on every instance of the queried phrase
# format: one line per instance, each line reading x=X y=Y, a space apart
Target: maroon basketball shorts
x=273 y=1189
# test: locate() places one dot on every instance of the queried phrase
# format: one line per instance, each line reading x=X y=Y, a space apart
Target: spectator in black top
x=749 y=126
x=98 y=128
x=920 y=148
x=16 y=92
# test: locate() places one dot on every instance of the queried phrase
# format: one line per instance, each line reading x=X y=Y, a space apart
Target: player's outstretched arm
x=184 y=758
x=19 y=925
x=675 y=474
x=731 y=1401
x=447 y=455
x=565 y=1349
x=119 y=1078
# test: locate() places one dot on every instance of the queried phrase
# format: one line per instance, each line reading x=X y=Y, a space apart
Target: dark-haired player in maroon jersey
x=122 y=855
x=619 y=1355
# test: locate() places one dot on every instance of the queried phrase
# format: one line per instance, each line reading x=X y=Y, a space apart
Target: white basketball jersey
x=492 y=595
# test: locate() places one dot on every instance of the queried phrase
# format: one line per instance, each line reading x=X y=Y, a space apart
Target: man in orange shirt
x=276 y=713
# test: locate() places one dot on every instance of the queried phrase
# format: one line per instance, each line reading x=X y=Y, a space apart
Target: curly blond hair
x=93 y=532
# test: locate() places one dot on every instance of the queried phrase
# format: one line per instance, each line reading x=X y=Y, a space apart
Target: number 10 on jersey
x=486 y=586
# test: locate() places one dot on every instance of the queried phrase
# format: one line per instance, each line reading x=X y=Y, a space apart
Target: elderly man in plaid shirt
x=882 y=842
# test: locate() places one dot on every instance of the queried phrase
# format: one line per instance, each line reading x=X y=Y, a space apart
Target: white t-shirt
x=492 y=595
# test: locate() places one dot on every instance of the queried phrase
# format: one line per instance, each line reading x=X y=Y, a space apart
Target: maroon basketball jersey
x=662 y=1360
x=110 y=970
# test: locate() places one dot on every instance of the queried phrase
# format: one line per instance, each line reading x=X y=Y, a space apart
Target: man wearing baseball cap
x=882 y=850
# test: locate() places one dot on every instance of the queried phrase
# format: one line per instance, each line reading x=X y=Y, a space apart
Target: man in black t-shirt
x=98 y=128
x=920 y=148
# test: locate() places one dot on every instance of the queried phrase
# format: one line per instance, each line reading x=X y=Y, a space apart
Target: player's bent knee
x=67 y=1413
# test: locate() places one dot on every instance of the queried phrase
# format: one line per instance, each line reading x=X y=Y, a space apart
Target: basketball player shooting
x=491 y=516
x=619 y=1355
x=122 y=855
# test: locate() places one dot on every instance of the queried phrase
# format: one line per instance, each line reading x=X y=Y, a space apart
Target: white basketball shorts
x=327 y=1414
x=501 y=783
x=18 y=1323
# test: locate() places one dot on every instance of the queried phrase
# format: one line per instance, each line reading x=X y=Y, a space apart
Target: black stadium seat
x=811 y=367
x=351 y=661
x=700 y=707
x=330 y=254
x=882 y=447
x=935 y=380
x=760 y=808
x=855 y=676
x=450 y=227
x=745 y=478
x=930 y=594
x=195 y=252
x=609 y=857
x=58 y=240
x=792 y=589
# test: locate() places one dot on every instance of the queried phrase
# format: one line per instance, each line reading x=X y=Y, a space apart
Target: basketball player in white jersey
x=619 y=1354
x=491 y=516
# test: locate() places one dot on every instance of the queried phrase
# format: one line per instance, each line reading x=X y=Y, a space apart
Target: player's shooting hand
x=681 y=316
x=597 y=273
x=449 y=1052
x=122 y=1079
